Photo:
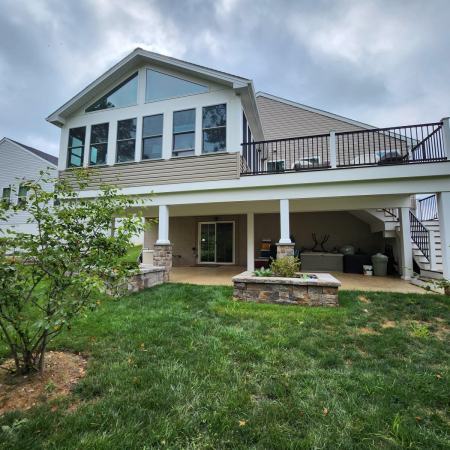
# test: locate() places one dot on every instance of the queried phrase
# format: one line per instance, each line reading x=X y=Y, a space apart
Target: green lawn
x=183 y=366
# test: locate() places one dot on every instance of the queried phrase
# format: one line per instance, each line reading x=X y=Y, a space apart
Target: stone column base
x=162 y=257
x=285 y=250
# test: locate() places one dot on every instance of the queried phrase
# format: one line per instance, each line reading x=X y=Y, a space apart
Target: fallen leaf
x=242 y=423
x=325 y=411
x=438 y=376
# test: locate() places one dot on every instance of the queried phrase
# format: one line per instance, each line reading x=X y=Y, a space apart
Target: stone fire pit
x=319 y=289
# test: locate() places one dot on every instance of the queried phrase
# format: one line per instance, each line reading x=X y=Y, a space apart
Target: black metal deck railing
x=427 y=208
x=379 y=146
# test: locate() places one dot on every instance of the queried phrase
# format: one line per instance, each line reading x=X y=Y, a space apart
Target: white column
x=446 y=136
x=163 y=225
x=406 y=264
x=443 y=204
x=285 y=237
x=250 y=242
x=333 y=157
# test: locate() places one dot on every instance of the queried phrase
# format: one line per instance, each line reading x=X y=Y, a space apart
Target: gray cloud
x=385 y=62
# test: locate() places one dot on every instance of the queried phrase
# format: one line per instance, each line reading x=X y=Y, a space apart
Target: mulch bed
x=62 y=372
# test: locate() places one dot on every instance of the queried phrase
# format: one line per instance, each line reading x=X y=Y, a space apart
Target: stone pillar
x=443 y=204
x=250 y=242
x=285 y=250
x=162 y=257
x=406 y=265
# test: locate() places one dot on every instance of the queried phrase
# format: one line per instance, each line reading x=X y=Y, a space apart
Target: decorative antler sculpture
x=322 y=240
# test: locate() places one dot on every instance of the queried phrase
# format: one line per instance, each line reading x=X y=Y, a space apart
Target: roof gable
x=133 y=61
x=53 y=160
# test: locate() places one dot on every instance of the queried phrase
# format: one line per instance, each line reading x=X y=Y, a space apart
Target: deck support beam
x=250 y=242
x=443 y=204
x=163 y=225
x=285 y=237
x=406 y=264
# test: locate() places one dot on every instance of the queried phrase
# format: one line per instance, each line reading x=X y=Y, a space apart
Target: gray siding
x=214 y=167
x=280 y=120
x=19 y=164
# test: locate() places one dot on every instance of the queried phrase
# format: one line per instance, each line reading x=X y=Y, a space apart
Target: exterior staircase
x=425 y=233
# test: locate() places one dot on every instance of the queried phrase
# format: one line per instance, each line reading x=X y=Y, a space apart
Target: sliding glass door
x=216 y=242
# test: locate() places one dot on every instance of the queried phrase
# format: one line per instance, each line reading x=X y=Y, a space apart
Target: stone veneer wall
x=146 y=278
x=162 y=257
x=287 y=291
x=285 y=250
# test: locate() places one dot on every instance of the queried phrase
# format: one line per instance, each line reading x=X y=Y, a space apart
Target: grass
x=183 y=366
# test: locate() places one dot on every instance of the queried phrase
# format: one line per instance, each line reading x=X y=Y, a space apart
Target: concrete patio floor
x=221 y=275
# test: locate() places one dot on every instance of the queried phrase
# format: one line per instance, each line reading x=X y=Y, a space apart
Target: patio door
x=216 y=242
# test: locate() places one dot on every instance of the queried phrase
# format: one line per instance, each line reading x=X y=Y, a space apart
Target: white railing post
x=446 y=136
x=333 y=157
x=432 y=250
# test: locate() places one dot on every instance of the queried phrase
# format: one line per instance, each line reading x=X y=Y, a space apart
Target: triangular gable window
x=160 y=86
x=125 y=94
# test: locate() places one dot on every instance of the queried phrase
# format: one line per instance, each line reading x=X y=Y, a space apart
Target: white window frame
x=199 y=236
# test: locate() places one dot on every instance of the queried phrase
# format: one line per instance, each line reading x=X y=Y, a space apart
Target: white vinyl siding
x=18 y=164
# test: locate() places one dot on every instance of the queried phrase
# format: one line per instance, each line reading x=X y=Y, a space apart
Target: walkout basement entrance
x=216 y=242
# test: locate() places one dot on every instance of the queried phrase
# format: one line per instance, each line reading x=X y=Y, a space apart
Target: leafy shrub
x=262 y=272
x=285 y=267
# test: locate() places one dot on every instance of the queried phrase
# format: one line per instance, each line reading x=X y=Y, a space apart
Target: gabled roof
x=49 y=158
x=315 y=110
x=136 y=58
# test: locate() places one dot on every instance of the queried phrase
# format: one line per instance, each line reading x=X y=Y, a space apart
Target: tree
x=50 y=278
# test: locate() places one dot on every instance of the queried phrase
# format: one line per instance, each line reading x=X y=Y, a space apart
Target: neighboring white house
x=20 y=163
x=234 y=171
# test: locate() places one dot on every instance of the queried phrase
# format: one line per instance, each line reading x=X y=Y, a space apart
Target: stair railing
x=420 y=235
x=427 y=208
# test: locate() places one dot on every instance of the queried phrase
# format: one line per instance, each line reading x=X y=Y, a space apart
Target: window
x=214 y=128
x=99 y=144
x=125 y=94
x=6 y=195
x=152 y=130
x=275 y=166
x=160 y=86
x=246 y=132
x=22 y=195
x=126 y=140
x=184 y=133
x=75 y=150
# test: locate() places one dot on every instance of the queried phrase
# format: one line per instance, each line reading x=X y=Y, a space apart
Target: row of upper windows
x=214 y=120
x=159 y=86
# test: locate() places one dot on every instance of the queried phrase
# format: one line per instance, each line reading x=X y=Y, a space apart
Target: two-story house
x=239 y=175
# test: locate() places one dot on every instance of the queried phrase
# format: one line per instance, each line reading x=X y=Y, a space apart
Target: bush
x=285 y=267
x=263 y=272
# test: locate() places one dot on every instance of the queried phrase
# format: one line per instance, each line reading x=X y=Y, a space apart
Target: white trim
x=315 y=110
x=215 y=222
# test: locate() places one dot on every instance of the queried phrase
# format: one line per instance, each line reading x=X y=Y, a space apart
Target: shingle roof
x=50 y=158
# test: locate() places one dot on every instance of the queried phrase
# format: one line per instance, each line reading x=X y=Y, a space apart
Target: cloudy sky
x=381 y=62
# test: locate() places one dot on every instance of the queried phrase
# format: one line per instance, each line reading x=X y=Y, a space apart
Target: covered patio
x=221 y=275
